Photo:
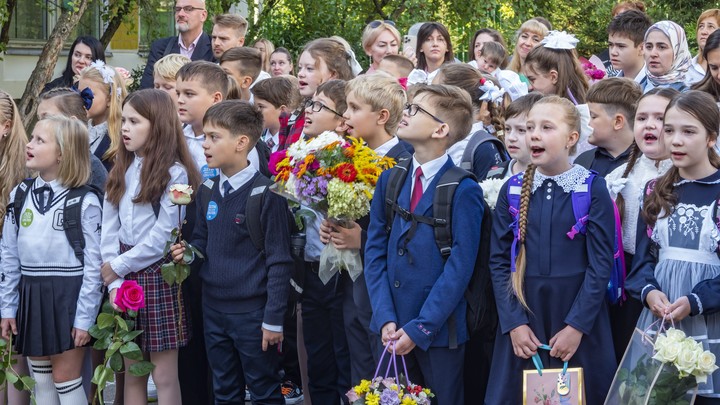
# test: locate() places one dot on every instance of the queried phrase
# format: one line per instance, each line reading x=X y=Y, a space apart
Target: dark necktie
x=227 y=188
x=44 y=203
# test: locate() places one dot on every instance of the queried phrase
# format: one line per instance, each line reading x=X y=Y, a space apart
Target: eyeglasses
x=377 y=23
x=413 y=109
x=187 y=9
x=316 y=106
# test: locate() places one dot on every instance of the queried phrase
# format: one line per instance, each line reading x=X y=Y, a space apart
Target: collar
x=137 y=162
x=431 y=168
x=192 y=45
x=711 y=179
x=383 y=149
x=239 y=179
x=607 y=154
x=54 y=185
x=570 y=180
x=261 y=76
x=189 y=133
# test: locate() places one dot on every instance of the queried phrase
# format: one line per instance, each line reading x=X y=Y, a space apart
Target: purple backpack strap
x=513 y=194
x=581 y=207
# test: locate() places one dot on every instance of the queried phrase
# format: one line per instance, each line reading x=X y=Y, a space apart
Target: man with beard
x=191 y=41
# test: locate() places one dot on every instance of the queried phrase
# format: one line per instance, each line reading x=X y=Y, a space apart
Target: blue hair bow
x=87 y=96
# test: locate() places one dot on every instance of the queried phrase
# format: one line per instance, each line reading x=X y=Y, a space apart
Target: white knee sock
x=71 y=392
x=45 y=392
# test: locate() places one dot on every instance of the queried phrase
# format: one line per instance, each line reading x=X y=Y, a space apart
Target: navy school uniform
x=565 y=284
x=364 y=344
x=412 y=285
x=601 y=161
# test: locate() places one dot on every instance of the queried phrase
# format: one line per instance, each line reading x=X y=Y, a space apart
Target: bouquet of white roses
x=491 y=190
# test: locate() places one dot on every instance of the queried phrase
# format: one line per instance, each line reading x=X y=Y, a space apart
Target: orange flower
x=346 y=172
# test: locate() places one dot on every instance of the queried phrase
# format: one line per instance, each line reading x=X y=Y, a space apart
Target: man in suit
x=191 y=41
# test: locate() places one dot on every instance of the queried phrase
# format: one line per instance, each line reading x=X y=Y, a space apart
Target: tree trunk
x=42 y=73
x=5 y=32
x=124 y=8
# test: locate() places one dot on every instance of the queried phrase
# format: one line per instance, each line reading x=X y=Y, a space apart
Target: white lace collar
x=711 y=179
x=568 y=181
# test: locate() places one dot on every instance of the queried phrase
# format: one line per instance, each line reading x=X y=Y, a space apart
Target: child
x=201 y=84
x=138 y=220
x=397 y=66
x=164 y=73
x=553 y=68
x=491 y=58
x=515 y=139
x=52 y=295
x=321 y=60
x=276 y=97
x=245 y=291
x=68 y=103
x=612 y=110
x=374 y=109
x=679 y=215
x=12 y=171
x=487 y=118
x=281 y=62
x=244 y=65
x=626 y=34
x=228 y=32
x=103 y=104
x=667 y=58
x=414 y=291
x=555 y=293
x=649 y=159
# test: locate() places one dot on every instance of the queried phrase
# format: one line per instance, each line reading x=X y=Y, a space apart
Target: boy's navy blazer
x=203 y=51
x=408 y=280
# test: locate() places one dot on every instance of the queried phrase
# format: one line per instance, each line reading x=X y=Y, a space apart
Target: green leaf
x=108 y=375
x=97 y=374
x=168 y=273
x=3 y=343
x=121 y=323
x=196 y=251
x=183 y=272
x=141 y=368
x=102 y=344
x=187 y=255
x=11 y=377
x=28 y=381
x=131 y=351
x=166 y=249
x=114 y=347
x=116 y=362
x=131 y=335
x=130 y=323
x=107 y=308
x=105 y=321
x=18 y=384
x=2 y=377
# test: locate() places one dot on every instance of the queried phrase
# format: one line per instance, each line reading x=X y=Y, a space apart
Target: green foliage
x=655 y=380
x=9 y=375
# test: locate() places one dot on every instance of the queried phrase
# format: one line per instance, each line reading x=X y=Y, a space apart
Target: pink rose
x=130 y=296
x=276 y=158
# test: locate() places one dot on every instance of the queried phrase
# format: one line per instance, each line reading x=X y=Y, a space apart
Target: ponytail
x=518 y=277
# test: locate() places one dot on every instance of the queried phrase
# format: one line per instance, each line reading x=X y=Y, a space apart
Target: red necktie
x=417 y=190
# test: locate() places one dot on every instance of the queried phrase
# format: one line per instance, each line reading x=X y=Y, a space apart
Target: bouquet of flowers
x=491 y=190
x=386 y=391
x=335 y=176
x=591 y=71
x=669 y=374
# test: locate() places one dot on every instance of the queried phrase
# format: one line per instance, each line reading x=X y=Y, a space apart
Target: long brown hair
x=570 y=74
x=702 y=107
x=12 y=151
x=164 y=147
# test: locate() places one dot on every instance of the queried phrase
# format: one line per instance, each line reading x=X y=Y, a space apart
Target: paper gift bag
x=542 y=389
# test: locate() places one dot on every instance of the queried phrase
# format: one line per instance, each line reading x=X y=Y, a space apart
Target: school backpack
x=477 y=139
x=499 y=171
x=481 y=315
x=581 y=207
x=72 y=221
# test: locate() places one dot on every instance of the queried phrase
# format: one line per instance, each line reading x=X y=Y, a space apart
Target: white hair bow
x=491 y=92
x=560 y=40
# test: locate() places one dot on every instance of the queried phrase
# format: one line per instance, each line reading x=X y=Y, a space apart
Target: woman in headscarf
x=667 y=58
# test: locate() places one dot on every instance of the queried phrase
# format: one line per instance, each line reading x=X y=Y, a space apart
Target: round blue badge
x=208 y=172
x=212 y=211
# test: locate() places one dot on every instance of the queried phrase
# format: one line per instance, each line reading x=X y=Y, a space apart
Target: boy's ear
x=442 y=131
x=284 y=109
x=342 y=127
x=246 y=82
x=553 y=76
x=383 y=117
x=242 y=143
x=217 y=97
x=619 y=122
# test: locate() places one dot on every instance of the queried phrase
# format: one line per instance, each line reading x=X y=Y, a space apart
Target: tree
x=115 y=13
x=68 y=20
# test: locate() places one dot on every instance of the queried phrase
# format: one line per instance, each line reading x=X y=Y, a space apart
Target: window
x=33 y=20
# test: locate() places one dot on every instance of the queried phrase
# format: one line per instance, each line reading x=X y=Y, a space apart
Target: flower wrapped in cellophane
x=335 y=176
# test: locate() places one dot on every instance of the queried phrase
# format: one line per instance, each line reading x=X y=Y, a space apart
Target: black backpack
x=477 y=139
x=481 y=316
x=72 y=221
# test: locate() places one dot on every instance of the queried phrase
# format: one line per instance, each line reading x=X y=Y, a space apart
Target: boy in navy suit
x=415 y=293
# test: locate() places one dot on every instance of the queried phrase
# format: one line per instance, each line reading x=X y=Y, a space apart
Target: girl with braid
x=553 y=290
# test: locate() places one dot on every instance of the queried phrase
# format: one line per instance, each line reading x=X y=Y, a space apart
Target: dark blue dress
x=565 y=284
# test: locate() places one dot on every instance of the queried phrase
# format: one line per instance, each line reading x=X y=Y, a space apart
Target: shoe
x=247 y=394
x=292 y=393
x=151 y=390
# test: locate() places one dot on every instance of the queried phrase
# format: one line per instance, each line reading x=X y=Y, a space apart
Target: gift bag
x=642 y=380
x=553 y=386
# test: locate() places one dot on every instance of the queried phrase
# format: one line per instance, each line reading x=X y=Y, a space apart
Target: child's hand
x=346 y=238
x=176 y=252
x=270 y=338
x=6 y=326
x=658 y=303
x=403 y=344
x=111 y=296
x=524 y=342
x=108 y=274
x=388 y=332
x=81 y=337
x=325 y=229
x=565 y=343
x=680 y=309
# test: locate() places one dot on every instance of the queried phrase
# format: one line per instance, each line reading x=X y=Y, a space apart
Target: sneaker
x=151 y=390
x=247 y=394
x=292 y=393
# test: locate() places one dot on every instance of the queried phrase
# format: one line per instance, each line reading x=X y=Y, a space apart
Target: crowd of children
x=255 y=321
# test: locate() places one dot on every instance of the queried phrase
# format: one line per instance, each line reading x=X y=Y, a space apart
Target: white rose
x=180 y=194
x=706 y=362
x=686 y=361
x=668 y=351
x=660 y=342
x=675 y=335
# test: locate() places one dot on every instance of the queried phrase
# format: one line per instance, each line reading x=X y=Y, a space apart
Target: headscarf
x=681 y=55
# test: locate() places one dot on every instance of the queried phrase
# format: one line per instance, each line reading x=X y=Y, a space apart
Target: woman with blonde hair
x=530 y=35
x=707 y=23
x=379 y=39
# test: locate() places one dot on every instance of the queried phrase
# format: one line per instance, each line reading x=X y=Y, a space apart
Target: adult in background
x=480 y=38
x=192 y=41
x=228 y=32
x=708 y=22
x=530 y=35
x=83 y=51
x=266 y=49
x=667 y=58
x=379 y=39
x=433 y=49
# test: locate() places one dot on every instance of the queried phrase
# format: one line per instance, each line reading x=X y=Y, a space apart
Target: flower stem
x=180 y=310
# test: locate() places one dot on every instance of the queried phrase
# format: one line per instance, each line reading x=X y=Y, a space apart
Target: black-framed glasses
x=377 y=23
x=413 y=109
x=187 y=9
x=316 y=106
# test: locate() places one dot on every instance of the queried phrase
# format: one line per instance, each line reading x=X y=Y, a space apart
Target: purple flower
x=389 y=397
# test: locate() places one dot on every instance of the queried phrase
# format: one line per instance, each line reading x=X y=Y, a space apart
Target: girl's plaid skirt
x=159 y=319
